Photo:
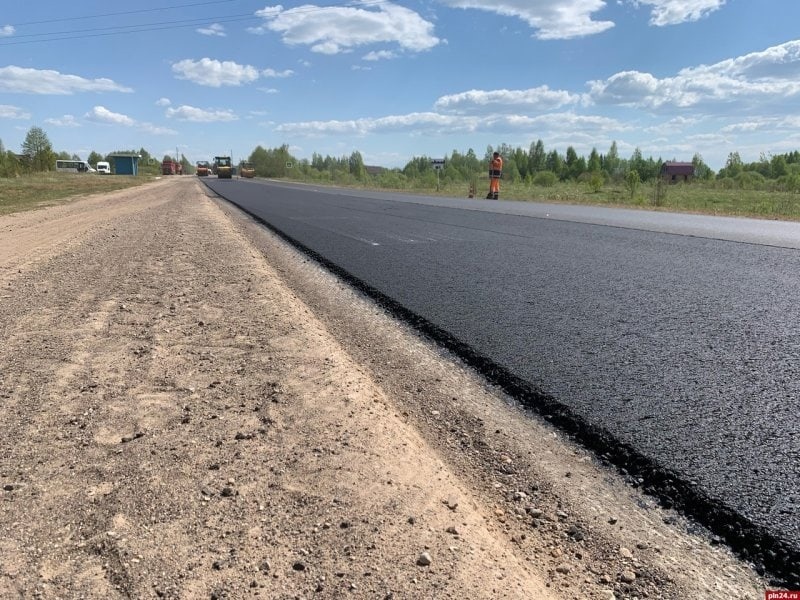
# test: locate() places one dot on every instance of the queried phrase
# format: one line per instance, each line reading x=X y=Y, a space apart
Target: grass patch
x=695 y=197
x=38 y=190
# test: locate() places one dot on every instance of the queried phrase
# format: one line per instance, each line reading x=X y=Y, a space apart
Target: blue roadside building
x=125 y=164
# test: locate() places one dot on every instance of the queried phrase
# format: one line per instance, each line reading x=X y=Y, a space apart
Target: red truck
x=171 y=167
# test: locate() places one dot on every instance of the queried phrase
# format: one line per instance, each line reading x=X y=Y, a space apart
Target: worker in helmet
x=495 y=173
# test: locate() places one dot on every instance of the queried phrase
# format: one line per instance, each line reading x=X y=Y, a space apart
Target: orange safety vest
x=496 y=172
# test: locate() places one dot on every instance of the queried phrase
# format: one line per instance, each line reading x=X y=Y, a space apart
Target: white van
x=103 y=168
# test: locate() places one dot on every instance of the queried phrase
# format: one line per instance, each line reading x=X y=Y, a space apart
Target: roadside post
x=438 y=165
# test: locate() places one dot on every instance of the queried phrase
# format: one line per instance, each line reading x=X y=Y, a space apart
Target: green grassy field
x=46 y=189
x=695 y=197
x=30 y=192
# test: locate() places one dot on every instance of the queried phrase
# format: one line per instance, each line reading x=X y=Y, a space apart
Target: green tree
x=701 y=170
x=611 y=163
x=594 y=162
x=186 y=166
x=259 y=157
x=356 y=164
x=632 y=182
x=520 y=159
x=571 y=162
x=94 y=157
x=3 y=161
x=38 y=150
x=733 y=166
x=596 y=181
x=555 y=163
x=537 y=158
x=778 y=166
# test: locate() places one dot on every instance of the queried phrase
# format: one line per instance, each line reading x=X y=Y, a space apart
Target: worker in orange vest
x=495 y=173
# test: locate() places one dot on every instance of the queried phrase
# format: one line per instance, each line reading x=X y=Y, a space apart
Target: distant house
x=125 y=164
x=673 y=172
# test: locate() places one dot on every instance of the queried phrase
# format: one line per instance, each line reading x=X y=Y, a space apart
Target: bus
x=73 y=166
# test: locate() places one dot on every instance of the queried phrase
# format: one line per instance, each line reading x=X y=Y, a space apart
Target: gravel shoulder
x=191 y=409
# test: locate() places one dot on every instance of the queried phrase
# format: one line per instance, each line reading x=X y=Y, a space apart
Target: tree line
x=38 y=156
x=535 y=165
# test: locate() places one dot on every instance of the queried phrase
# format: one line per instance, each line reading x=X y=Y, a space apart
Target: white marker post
x=438 y=165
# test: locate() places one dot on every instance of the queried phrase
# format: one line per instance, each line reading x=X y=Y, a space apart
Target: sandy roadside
x=191 y=410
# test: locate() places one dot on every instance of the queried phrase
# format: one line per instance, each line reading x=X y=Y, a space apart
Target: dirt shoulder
x=190 y=409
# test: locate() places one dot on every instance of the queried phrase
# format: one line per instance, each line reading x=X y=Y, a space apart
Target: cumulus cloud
x=756 y=77
x=427 y=121
x=35 y=81
x=550 y=19
x=65 y=121
x=156 y=129
x=537 y=99
x=277 y=74
x=192 y=113
x=7 y=30
x=335 y=29
x=432 y=123
x=215 y=29
x=163 y=102
x=100 y=114
x=214 y=73
x=380 y=55
x=13 y=112
x=764 y=124
x=673 y=12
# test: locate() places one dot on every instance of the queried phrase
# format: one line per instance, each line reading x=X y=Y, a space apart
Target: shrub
x=545 y=179
x=749 y=180
x=596 y=182
x=632 y=182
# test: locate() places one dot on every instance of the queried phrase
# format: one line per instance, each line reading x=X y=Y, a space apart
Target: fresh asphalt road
x=677 y=334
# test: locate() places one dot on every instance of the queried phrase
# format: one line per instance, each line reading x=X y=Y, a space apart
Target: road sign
x=437 y=163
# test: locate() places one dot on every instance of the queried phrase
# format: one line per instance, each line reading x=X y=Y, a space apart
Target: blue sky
x=404 y=78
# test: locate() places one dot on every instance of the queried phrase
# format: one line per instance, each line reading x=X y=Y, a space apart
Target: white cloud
x=156 y=129
x=214 y=73
x=100 y=114
x=673 y=12
x=7 y=30
x=537 y=99
x=191 y=113
x=215 y=29
x=335 y=29
x=35 y=81
x=12 y=112
x=551 y=19
x=163 y=102
x=675 y=125
x=756 y=78
x=380 y=55
x=776 y=124
x=277 y=74
x=267 y=90
x=427 y=121
x=431 y=123
x=65 y=121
